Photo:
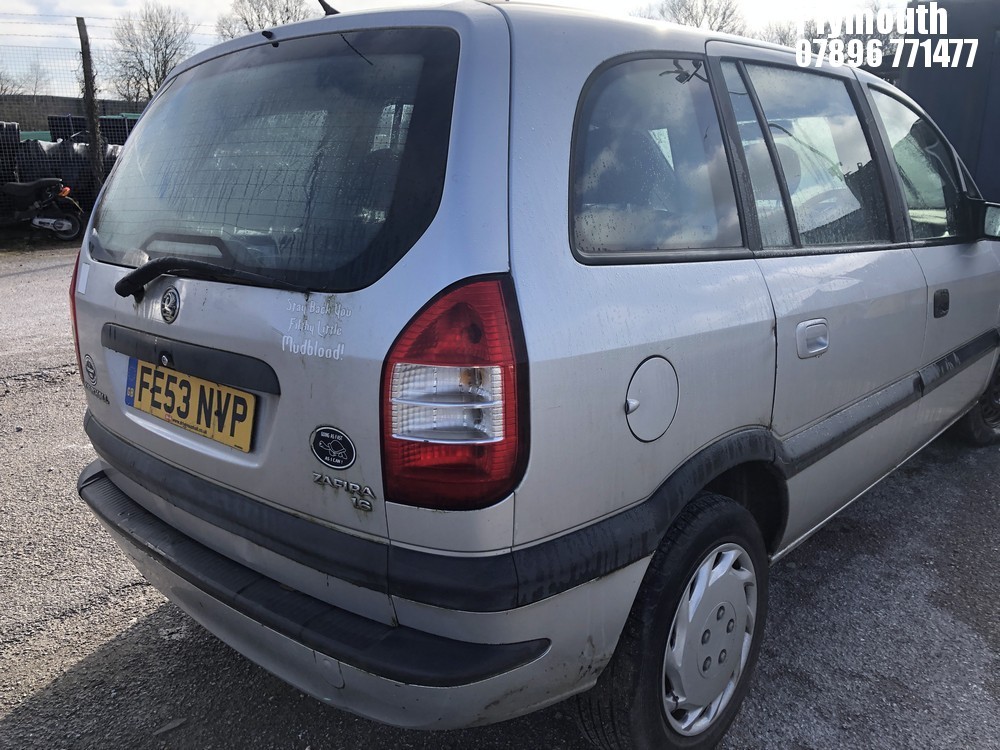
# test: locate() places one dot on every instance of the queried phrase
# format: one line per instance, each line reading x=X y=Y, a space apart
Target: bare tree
x=9 y=85
x=874 y=7
x=814 y=32
x=229 y=26
x=147 y=46
x=785 y=34
x=36 y=79
x=246 y=16
x=717 y=15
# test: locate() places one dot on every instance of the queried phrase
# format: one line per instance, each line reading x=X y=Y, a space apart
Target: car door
x=848 y=296
x=962 y=273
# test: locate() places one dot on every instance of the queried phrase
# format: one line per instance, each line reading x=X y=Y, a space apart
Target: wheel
x=981 y=425
x=74 y=229
x=683 y=664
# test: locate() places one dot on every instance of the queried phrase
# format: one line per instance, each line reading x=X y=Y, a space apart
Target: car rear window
x=317 y=162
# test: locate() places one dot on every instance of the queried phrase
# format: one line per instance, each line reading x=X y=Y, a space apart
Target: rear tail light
x=64 y=192
x=454 y=424
x=72 y=314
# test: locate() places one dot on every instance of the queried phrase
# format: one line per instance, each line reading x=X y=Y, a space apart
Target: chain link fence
x=44 y=126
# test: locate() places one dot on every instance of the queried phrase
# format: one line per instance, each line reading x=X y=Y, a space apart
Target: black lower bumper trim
x=396 y=653
x=479 y=584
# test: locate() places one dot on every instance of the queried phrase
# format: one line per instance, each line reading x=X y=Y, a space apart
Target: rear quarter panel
x=588 y=328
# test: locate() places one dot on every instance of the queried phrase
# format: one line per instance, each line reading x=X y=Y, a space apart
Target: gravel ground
x=883 y=630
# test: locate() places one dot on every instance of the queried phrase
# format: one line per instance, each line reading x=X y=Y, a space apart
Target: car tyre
x=981 y=424
x=703 y=602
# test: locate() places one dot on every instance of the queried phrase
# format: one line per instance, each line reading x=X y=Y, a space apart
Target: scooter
x=46 y=203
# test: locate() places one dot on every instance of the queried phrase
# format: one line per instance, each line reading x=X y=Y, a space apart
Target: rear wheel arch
x=981 y=424
x=728 y=499
x=760 y=488
x=748 y=463
x=746 y=466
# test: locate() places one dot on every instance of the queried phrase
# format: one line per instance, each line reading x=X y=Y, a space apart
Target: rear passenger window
x=649 y=169
x=832 y=179
x=767 y=195
x=926 y=170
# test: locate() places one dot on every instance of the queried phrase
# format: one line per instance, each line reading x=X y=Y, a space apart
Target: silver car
x=452 y=361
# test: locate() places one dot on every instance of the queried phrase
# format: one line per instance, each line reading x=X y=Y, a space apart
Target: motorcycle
x=46 y=203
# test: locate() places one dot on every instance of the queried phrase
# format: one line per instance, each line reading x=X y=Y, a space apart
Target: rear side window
x=832 y=180
x=649 y=169
x=317 y=162
x=925 y=167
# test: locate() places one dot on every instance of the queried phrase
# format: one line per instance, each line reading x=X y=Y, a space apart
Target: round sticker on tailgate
x=332 y=447
x=91 y=369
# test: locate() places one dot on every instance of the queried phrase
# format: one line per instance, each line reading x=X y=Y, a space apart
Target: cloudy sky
x=18 y=13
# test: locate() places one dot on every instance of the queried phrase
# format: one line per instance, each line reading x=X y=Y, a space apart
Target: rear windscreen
x=317 y=162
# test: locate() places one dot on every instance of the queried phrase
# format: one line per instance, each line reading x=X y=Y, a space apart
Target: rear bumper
x=397 y=653
x=398 y=674
x=406 y=676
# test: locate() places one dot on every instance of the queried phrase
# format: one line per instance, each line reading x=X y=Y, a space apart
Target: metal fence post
x=90 y=107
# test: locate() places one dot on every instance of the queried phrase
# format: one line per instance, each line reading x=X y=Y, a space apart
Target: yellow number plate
x=215 y=411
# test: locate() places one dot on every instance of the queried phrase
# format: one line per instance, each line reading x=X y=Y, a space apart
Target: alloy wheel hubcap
x=710 y=639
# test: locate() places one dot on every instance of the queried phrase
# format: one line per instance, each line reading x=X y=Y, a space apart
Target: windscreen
x=317 y=162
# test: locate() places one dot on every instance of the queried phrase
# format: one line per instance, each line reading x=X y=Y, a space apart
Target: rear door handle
x=812 y=338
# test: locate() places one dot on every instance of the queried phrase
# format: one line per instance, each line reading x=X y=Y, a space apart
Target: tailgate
x=337 y=194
